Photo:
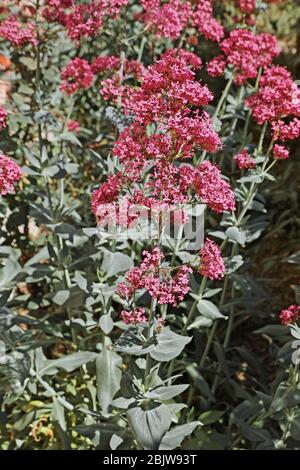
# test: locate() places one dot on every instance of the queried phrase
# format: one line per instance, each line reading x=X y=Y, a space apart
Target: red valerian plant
x=124 y=124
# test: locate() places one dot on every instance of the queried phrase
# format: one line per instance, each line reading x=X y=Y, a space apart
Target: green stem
x=224 y=95
x=188 y=320
x=218 y=108
x=194 y=305
x=249 y=113
x=149 y=335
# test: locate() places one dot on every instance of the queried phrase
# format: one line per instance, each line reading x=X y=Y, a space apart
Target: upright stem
x=249 y=113
x=189 y=319
x=224 y=95
x=194 y=305
x=152 y=310
x=149 y=335
x=218 y=108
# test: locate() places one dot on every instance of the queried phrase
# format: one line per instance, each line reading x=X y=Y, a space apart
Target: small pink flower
x=216 y=67
x=3 y=117
x=211 y=261
x=280 y=152
x=134 y=316
x=278 y=97
x=17 y=33
x=157 y=278
x=205 y=22
x=10 y=172
x=107 y=192
x=77 y=74
x=73 y=126
x=244 y=160
x=247 y=6
x=248 y=52
x=212 y=189
x=290 y=315
x=283 y=132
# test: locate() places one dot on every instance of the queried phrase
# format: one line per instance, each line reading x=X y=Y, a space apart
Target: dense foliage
x=135 y=342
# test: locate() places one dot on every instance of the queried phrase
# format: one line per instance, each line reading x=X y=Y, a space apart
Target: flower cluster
x=246 y=52
x=77 y=74
x=134 y=316
x=247 y=6
x=277 y=102
x=169 y=19
x=290 y=315
x=244 y=160
x=17 y=33
x=83 y=19
x=212 y=189
x=73 y=126
x=205 y=22
x=156 y=277
x=3 y=117
x=280 y=152
x=10 y=172
x=106 y=194
x=170 y=99
x=277 y=97
x=211 y=261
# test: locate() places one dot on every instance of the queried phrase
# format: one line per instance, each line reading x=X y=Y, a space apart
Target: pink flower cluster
x=77 y=75
x=106 y=194
x=10 y=172
x=83 y=19
x=17 y=33
x=247 y=6
x=280 y=152
x=212 y=189
x=290 y=315
x=134 y=316
x=3 y=117
x=277 y=97
x=156 y=277
x=211 y=261
x=169 y=99
x=277 y=101
x=205 y=22
x=166 y=19
x=169 y=19
x=246 y=52
x=73 y=126
x=244 y=160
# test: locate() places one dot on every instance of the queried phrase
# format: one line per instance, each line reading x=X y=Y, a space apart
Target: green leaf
x=237 y=235
x=233 y=264
x=106 y=324
x=166 y=393
x=58 y=414
x=175 y=436
x=67 y=363
x=114 y=263
x=61 y=296
x=109 y=375
x=209 y=310
x=169 y=345
x=211 y=416
x=200 y=322
x=150 y=426
x=69 y=137
x=210 y=293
